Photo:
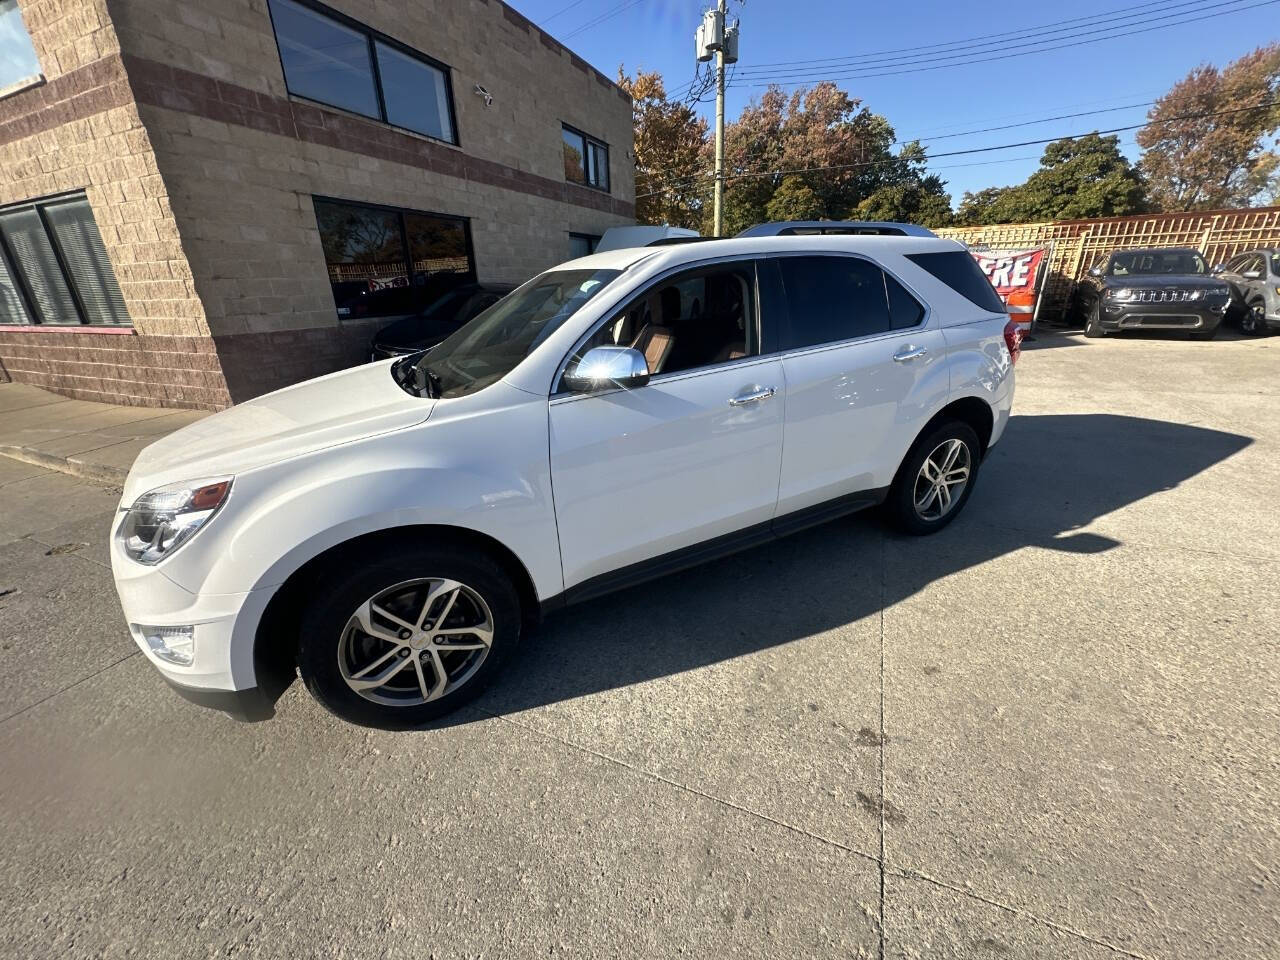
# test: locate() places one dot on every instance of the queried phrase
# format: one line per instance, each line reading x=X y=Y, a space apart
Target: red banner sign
x=1011 y=271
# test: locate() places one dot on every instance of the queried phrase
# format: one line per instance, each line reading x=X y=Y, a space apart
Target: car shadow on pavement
x=1047 y=478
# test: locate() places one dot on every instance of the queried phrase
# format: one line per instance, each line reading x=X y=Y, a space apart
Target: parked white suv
x=390 y=531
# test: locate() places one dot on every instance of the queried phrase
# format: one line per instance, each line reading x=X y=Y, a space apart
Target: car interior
x=693 y=321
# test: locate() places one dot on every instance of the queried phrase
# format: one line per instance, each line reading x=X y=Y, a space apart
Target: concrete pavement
x=1052 y=730
x=97 y=441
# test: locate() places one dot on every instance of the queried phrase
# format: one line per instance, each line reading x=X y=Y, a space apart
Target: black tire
x=1093 y=324
x=901 y=503
x=1253 y=319
x=343 y=589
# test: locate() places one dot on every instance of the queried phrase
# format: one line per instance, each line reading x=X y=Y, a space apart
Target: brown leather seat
x=731 y=351
x=655 y=342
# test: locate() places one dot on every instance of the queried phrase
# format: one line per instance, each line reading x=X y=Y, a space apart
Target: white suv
x=389 y=532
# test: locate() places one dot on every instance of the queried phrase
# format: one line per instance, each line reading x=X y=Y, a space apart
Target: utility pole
x=717 y=38
x=719 y=195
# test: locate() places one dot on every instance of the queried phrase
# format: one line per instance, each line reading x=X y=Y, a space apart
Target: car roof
x=675 y=255
x=1155 y=250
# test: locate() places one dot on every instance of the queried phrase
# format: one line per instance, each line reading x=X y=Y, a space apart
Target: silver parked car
x=1254 y=277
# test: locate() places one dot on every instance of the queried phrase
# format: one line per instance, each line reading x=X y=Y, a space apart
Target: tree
x=911 y=195
x=669 y=138
x=819 y=152
x=1203 y=144
x=794 y=200
x=982 y=206
x=1078 y=178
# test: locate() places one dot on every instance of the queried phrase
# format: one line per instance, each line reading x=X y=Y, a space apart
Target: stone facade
x=200 y=168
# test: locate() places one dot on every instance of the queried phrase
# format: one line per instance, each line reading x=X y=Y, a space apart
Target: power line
x=576 y=3
x=860 y=75
x=832 y=168
x=964 y=59
x=596 y=21
x=988 y=40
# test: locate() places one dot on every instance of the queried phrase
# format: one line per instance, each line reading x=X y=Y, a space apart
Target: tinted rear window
x=904 y=309
x=831 y=299
x=959 y=271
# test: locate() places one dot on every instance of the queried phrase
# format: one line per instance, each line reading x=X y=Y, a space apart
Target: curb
x=69 y=465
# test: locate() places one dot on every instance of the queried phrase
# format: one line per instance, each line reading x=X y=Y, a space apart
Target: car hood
x=338 y=408
x=1150 y=281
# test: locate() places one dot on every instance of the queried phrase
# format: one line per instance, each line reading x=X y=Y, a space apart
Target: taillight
x=1013 y=340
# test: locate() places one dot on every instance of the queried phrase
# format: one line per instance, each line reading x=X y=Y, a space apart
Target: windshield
x=1143 y=262
x=490 y=346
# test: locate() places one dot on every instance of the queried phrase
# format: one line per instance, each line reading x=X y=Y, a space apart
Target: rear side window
x=904 y=309
x=959 y=271
x=831 y=299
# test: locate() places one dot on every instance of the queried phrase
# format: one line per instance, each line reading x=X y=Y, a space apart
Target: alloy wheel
x=942 y=479
x=1253 y=319
x=415 y=642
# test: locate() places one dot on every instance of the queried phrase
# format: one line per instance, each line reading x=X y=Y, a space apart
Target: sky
x=930 y=94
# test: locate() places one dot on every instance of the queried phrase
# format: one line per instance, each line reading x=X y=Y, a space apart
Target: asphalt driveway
x=1052 y=730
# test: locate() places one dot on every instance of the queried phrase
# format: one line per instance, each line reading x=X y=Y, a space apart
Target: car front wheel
x=402 y=640
x=1253 y=318
x=935 y=480
x=1093 y=325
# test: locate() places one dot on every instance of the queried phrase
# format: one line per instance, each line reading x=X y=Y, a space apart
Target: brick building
x=200 y=202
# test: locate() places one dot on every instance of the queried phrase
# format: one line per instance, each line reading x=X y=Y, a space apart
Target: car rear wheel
x=1093 y=325
x=409 y=637
x=935 y=480
x=1253 y=318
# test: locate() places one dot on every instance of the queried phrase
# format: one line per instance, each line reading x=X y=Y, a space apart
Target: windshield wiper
x=427 y=383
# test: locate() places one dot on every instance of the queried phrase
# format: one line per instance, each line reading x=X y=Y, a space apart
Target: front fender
x=483 y=470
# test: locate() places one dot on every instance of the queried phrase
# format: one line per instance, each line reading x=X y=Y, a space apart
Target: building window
x=582 y=244
x=54 y=268
x=19 y=66
x=335 y=60
x=384 y=261
x=586 y=160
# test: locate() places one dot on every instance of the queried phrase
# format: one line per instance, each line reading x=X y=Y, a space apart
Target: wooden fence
x=394 y=269
x=1077 y=245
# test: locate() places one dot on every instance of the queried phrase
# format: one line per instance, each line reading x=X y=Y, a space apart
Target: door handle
x=761 y=393
x=909 y=353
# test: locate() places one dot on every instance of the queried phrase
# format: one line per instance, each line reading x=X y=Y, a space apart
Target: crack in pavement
x=883 y=799
x=71 y=686
x=904 y=874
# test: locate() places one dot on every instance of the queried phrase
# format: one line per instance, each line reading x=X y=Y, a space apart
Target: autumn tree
x=671 y=179
x=1204 y=142
x=1078 y=178
x=819 y=152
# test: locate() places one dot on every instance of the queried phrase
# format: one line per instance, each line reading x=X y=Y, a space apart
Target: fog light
x=1114 y=308
x=172 y=644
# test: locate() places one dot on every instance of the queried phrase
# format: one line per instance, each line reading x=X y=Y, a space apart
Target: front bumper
x=250 y=706
x=1161 y=316
x=223 y=671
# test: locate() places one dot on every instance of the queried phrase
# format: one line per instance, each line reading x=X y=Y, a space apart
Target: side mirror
x=605 y=367
x=1220 y=268
x=1252 y=274
x=1095 y=271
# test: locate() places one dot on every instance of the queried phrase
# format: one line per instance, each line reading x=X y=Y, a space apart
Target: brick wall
x=241 y=161
x=200 y=169
x=80 y=130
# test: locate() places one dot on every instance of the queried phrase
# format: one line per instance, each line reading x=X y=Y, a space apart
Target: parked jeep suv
x=389 y=532
x=1161 y=289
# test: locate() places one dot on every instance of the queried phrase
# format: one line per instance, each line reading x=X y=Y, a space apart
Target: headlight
x=1122 y=293
x=162 y=520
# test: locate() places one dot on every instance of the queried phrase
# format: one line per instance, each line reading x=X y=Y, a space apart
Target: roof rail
x=795 y=228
